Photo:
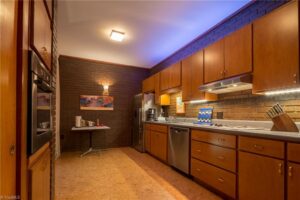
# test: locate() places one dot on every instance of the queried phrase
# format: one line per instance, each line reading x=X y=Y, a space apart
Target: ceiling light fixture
x=286 y=91
x=117 y=36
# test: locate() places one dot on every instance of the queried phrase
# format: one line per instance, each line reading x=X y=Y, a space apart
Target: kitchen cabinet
x=149 y=85
x=192 y=77
x=170 y=77
x=260 y=177
x=276 y=49
x=238 y=52
x=214 y=62
x=147 y=136
x=41 y=40
x=39 y=174
x=293 y=152
x=293 y=181
x=157 y=88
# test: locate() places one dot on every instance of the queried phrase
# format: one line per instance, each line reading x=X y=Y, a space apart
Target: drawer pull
x=221 y=180
x=199 y=170
x=280 y=168
x=199 y=151
x=258 y=147
x=221 y=140
x=290 y=171
x=221 y=157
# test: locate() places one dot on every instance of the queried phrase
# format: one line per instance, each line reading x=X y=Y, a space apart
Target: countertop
x=280 y=135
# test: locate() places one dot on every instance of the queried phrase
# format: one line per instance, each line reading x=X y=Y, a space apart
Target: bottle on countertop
x=98 y=122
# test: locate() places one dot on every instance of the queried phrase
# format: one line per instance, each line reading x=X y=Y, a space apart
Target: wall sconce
x=105 y=90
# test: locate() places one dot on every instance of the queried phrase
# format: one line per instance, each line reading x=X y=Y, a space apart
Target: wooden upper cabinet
x=175 y=75
x=276 y=49
x=192 y=77
x=157 y=88
x=238 y=52
x=214 y=62
x=164 y=79
x=41 y=40
x=170 y=77
x=260 y=177
x=148 y=84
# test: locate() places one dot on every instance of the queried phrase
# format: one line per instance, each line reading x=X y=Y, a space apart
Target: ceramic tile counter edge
x=278 y=135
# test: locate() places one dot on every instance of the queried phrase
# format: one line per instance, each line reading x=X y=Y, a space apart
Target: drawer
x=262 y=146
x=219 y=179
x=147 y=126
x=220 y=156
x=159 y=128
x=293 y=152
x=214 y=138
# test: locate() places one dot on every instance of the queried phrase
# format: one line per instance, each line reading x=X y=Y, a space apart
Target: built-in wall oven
x=40 y=92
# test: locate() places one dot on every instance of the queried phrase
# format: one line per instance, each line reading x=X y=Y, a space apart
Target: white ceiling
x=153 y=29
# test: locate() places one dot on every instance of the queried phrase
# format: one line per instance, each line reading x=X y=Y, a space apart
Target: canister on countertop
x=78 y=121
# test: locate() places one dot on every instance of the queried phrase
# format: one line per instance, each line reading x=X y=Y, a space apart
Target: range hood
x=234 y=84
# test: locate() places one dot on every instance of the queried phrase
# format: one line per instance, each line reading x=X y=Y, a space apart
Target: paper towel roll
x=78 y=121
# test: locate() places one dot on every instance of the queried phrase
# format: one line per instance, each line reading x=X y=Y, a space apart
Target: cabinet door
x=40 y=177
x=165 y=79
x=175 y=75
x=153 y=142
x=260 y=177
x=238 y=52
x=42 y=34
x=276 y=49
x=187 y=78
x=293 y=181
x=147 y=140
x=157 y=88
x=162 y=146
x=214 y=62
x=197 y=76
x=148 y=84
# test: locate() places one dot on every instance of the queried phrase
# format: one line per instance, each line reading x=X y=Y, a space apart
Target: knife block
x=283 y=122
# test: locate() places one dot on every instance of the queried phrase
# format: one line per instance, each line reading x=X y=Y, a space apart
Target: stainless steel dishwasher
x=178 y=148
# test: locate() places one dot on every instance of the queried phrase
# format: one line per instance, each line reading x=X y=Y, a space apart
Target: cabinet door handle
x=199 y=151
x=290 y=171
x=258 y=147
x=199 y=170
x=280 y=168
x=12 y=149
x=295 y=78
x=221 y=157
x=221 y=180
x=221 y=140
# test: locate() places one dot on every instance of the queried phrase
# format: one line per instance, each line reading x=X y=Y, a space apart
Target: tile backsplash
x=242 y=106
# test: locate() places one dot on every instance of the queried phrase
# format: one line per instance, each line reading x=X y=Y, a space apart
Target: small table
x=90 y=130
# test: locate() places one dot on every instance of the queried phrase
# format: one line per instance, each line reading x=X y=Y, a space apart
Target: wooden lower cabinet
x=39 y=174
x=220 y=179
x=159 y=145
x=147 y=134
x=260 y=177
x=293 y=181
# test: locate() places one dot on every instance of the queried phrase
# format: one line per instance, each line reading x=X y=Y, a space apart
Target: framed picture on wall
x=90 y=102
x=180 y=109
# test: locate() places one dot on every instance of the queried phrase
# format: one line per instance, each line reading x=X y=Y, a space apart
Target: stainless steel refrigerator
x=137 y=135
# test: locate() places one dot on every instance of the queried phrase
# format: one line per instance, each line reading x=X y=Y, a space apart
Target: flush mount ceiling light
x=117 y=36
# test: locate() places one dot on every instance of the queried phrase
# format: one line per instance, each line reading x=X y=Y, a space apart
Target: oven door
x=41 y=120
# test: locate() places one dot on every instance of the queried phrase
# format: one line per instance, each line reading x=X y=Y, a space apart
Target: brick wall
x=54 y=113
x=243 y=106
x=240 y=19
x=82 y=77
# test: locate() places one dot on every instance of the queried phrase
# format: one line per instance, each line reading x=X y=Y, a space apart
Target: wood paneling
x=214 y=62
x=82 y=77
x=214 y=138
x=219 y=156
x=39 y=170
x=220 y=179
x=238 y=52
x=262 y=146
x=8 y=88
x=293 y=152
x=260 y=177
x=293 y=181
x=276 y=49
